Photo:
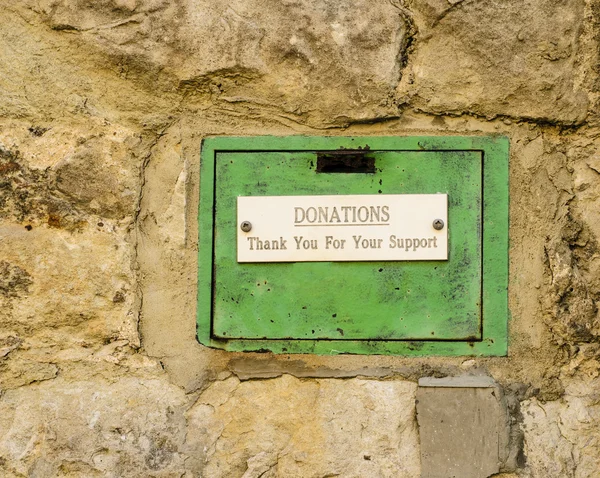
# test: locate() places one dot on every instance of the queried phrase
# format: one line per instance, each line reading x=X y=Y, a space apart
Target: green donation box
x=363 y=245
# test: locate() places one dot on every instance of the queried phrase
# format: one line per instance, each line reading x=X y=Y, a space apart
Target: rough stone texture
x=103 y=105
x=130 y=426
x=516 y=59
x=562 y=435
x=298 y=428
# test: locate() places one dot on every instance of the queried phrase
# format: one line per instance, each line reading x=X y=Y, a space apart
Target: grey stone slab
x=462 y=426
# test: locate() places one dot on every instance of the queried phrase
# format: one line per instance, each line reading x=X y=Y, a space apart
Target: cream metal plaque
x=391 y=227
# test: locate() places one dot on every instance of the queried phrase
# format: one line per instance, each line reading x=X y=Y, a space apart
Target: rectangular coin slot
x=346 y=161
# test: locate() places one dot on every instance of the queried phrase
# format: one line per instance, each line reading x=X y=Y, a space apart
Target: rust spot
x=8 y=167
x=53 y=220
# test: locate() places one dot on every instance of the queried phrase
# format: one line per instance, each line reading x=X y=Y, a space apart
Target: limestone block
x=74 y=297
x=299 y=58
x=60 y=174
x=130 y=426
x=305 y=428
x=561 y=437
x=517 y=58
x=67 y=197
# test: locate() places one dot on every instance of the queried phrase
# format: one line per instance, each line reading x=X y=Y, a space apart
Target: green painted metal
x=454 y=307
x=341 y=300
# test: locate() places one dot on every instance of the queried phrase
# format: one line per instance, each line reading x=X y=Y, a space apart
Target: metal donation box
x=370 y=245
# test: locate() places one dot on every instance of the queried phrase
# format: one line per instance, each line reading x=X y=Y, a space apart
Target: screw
x=438 y=224
x=246 y=226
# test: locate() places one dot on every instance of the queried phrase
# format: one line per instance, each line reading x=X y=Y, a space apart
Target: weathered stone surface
x=291 y=427
x=518 y=58
x=89 y=169
x=327 y=59
x=104 y=105
x=74 y=299
x=571 y=254
x=561 y=437
x=125 y=427
x=94 y=179
x=14 y=280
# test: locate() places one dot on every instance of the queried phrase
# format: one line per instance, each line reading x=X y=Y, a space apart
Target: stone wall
x=103 y=105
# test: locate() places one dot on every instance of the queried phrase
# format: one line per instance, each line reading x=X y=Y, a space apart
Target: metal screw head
x=438 y=224
x=246 y=226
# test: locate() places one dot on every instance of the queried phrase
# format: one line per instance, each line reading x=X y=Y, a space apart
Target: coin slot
x=346 y=161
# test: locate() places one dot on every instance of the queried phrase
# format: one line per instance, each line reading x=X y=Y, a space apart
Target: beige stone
x=123 y=427
x=74 y=299
x=494 y=59
x=561 y=437
x=292 y=427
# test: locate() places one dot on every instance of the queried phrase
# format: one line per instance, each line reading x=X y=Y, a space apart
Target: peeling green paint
x=454 y=307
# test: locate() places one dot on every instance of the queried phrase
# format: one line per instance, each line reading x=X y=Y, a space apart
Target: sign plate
x=390 y=227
